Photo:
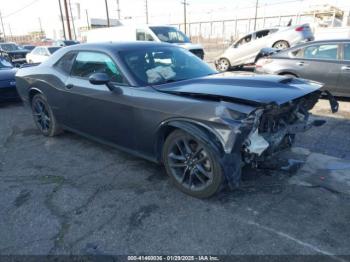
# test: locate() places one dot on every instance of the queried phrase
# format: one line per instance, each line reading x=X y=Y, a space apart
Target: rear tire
x=281 y=45
x=43 y=116
x=193 y=166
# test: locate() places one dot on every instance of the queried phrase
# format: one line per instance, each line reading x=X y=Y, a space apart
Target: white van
x=156 y=33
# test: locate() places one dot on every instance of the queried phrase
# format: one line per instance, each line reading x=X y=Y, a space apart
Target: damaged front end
x=270 y=129
x=274 y=127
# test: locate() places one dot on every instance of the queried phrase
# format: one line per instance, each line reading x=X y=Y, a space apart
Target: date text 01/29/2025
x=173 y=258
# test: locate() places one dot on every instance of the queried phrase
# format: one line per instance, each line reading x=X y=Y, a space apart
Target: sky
x=22 y=16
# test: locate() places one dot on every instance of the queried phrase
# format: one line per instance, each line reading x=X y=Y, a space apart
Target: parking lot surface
x=68 y=195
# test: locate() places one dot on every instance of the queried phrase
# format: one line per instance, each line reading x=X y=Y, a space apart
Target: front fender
x=230 y=159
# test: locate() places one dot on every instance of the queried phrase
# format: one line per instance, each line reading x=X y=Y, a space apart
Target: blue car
x=8 y=90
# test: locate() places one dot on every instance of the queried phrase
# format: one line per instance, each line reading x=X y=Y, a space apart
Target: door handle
x=345 y=68
x=301 y=63
x=69 y=86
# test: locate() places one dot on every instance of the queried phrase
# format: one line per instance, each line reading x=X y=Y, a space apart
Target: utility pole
x=185 y=14
x=40 y=26
x=10 y=30
x=146 y=9
x=3 y=29
x=256 y=13
x=118 y=10
x=108 y=23
x=64 y=30
x=87 y=19
x=71 y=14
x=67 y=17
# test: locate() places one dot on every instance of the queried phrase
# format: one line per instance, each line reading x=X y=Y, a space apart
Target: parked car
x=41 y=53
x=28 y=47
x=245 y=50
x=8 y=90
x=164 y=104
x=13 y=53
x=65 y=42
x=157 y=33
x=326 y=61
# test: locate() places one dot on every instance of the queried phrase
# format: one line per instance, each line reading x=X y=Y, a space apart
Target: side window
x=261 y=33
x=88 y=63
x=347 y=52
x=297 y=53
x=66 y=62
x=244 y=40
x=326 y=51
x=141 y=35
x=36 y=51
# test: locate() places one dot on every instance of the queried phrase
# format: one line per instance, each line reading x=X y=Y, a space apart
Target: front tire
x=223 y=65
x=192 y=165
x=43 y=116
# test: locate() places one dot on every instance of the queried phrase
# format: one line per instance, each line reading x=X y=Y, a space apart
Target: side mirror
x=99 y=79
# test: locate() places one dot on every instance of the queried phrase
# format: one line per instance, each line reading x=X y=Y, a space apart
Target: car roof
x=118 y=46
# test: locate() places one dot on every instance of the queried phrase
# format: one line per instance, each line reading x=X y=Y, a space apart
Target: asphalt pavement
x=68 y=195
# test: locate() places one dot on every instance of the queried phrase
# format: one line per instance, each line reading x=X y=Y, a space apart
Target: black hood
x=249 y=89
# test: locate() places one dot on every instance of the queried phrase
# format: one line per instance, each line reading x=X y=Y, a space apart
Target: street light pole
x=107 y=14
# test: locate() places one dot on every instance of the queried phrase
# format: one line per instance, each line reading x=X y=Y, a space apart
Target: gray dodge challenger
x=162 y=103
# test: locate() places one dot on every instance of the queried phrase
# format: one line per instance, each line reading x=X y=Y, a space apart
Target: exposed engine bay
x=274 y=127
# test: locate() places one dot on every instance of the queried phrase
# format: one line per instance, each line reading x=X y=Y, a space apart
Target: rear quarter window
x=65 y=63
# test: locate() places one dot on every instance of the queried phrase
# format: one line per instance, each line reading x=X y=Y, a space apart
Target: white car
x=245 y=50
x=40 y=53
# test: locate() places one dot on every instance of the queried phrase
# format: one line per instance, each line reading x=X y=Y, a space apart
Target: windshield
x=4 y=63
x=170 y=34
x=53 y=49
x=9 y=47
x=160 y=65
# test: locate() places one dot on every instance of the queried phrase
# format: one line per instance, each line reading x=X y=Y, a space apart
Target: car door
x=241 y=52
x=343 y=86
x=261 y=40
x=95 y=110
x=320 y=62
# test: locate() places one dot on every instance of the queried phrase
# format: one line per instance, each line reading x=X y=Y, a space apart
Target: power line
x=22 y=8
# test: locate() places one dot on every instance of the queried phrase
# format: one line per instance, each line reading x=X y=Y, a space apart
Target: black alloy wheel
x=43 y=116
x=192 y=165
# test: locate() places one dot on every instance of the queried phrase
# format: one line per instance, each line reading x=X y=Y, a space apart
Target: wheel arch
x=280 y=40
x=197 y=129
x=32 y=92
x=288 y=73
